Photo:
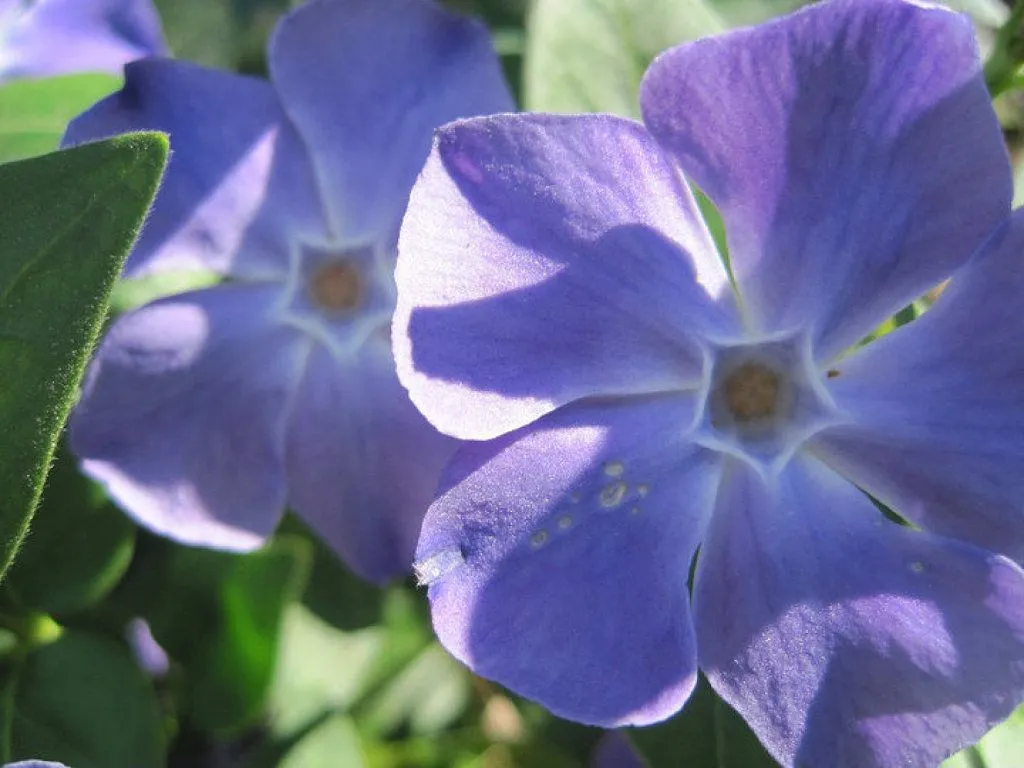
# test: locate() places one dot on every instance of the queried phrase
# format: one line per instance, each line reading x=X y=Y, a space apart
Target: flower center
x=763 y=400
x=752 y=392
x=336 y=286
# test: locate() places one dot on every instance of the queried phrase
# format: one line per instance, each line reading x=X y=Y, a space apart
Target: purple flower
x=57 y=37
x=34 y=764
x=205 y=413
x=561 y=300
x=148 y=653
x=615 y=750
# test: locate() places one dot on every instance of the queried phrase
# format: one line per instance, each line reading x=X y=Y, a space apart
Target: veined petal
x=238 y=194
x=54 y=37
x=367 y=93
x=936 y=414
x=854 y=173
x=183 y=414
x=557 y=558
x=544 y=259
x=362 y=463
x=847 y=640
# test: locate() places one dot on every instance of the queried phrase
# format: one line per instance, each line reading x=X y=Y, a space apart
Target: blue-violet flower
x=56 y=37
x=205 y=413
x=561 y=301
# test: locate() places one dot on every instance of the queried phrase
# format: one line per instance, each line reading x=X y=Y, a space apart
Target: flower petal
x=367 y=93
x=854 y=174
x=846 y=640
x=54 y=37
x=238 y=193
x=557 y=558
x=548 y=258
x=182 y=417
x=936 y=415
x=363 y=464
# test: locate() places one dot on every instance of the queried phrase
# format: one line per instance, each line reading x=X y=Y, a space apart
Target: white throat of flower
x=761 y=400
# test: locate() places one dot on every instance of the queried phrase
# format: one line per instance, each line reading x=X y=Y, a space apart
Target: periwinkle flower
x=560 y=300
x=34 y=764
x=614 y=750
x=205 y=413
x=42 y=38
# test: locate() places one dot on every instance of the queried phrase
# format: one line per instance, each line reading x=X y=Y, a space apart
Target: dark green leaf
x=706 y=734
x=68 y=220
x=34 y=113
x=221 y=616
x=84 y=702
x=77 y=549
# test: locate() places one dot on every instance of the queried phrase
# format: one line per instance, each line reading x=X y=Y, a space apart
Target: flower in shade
x=615 y=750
x=560 y=300
x=205 y=413
x=57 y=37
x=34 y=764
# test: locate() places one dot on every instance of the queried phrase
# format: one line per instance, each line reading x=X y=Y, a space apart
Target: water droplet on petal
x=614 y=468
x=565 y=522
x=539 y=539
x=612 y=495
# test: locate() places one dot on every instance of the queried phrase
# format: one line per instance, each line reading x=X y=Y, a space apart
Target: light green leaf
x=301 y=692
x=67 y=221
x=589 y=55
x=427 y=696
x=1002 y=747
x=34 y=113
x=84 y=702
x=333 y=743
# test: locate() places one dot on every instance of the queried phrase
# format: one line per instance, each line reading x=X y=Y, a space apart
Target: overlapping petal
x=183 y=415
x=238 y=194
x=362 y=463
x=557 y=558
x=544 y=259
x=54 y=37
x=936 y=409
x=854 y=172
x=846 y=640
x=366 y=94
